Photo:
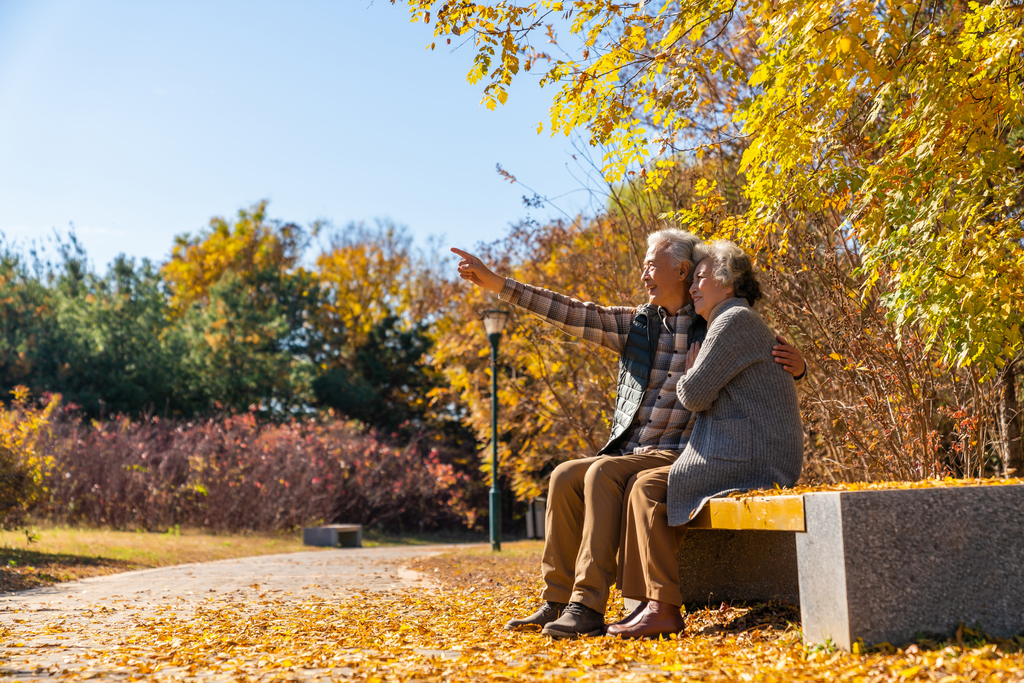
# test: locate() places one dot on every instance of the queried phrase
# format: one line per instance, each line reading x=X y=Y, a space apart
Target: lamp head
x=494 y=320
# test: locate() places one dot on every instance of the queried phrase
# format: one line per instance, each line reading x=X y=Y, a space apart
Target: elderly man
x=650 y=427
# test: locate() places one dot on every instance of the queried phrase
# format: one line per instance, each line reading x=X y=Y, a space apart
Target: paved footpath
x=86 y=613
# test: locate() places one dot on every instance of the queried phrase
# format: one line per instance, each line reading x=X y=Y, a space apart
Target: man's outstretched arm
x=608 y=326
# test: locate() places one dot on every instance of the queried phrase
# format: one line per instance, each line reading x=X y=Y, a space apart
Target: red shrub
x=235 y=473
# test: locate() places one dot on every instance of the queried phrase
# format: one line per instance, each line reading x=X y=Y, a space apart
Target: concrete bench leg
x=888 y=566
x=718 y=566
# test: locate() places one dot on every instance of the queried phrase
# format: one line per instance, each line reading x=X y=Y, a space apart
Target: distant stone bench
x=884 y=565
x=334 y=535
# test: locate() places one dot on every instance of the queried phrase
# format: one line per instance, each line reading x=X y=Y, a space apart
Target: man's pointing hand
x=473 y=269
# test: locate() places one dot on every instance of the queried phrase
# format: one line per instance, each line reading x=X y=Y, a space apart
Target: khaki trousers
x=648 y=569
x=583 y=523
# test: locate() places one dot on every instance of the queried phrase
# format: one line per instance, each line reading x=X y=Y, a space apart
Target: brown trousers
x=583 y=523
x=647 y=561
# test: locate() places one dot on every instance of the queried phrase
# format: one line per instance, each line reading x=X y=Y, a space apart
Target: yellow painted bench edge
x=765 y=513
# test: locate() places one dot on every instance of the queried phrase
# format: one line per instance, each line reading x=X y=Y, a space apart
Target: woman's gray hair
x=731 y=266
x=678 y=244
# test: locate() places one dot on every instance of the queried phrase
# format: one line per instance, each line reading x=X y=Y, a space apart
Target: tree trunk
x=1010 y=422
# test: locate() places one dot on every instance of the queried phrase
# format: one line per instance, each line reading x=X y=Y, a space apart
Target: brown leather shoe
x=629 y=618
x=547 y=613
x=659 y=619
x=577 y=620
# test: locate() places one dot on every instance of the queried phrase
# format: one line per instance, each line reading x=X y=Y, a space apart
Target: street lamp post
x=494 y=322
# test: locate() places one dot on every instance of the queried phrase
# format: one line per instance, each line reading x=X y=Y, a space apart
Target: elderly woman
x=747 y=435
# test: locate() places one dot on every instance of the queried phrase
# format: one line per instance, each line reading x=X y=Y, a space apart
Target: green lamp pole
x=494 y=322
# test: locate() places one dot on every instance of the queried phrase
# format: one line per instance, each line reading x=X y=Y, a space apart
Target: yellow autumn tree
x=23 y=466
x=904 y=118
x=367 y=276
x=243 y=301
x=253 y=247
x=881 y=143
x=379 y=298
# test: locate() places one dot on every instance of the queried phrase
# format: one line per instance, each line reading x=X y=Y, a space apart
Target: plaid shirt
x=661 y=423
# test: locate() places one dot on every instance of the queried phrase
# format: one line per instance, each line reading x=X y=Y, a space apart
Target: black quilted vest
x=635 y=371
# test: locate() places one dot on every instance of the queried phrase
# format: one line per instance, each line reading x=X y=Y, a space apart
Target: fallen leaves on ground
x=947 y=482
x=452 y=631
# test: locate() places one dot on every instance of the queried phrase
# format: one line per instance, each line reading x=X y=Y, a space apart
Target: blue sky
x=137 y=121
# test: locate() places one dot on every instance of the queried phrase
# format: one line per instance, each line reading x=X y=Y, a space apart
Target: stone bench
x=334 y=535
x=885 y=565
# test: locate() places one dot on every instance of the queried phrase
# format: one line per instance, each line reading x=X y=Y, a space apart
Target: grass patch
x=67 y=554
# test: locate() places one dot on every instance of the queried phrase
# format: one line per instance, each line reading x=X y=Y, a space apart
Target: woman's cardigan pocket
x=732 y=440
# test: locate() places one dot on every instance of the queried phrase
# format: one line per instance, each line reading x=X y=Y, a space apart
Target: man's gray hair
x=678 y=244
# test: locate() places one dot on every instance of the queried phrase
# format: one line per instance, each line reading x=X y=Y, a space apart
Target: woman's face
x=707 y=292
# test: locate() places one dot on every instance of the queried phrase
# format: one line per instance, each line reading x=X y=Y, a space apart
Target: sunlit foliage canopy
x=900 y=121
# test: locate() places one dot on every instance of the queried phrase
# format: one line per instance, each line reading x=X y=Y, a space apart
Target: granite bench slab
x=334 y=535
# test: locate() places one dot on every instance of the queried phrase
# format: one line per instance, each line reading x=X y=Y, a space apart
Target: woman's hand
x=473 y=269
x=691 y=355
x=789 y=357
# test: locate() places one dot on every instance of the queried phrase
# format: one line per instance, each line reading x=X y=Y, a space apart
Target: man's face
x=666 y=286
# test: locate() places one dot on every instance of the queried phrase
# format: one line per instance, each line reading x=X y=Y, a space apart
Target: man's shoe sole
x=650 y=636
x=571 y=635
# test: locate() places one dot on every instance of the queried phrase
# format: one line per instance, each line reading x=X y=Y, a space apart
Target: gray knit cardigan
x=747 y=433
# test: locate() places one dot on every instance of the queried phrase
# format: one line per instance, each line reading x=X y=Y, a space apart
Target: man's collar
x=687 y=309
x=663 y=312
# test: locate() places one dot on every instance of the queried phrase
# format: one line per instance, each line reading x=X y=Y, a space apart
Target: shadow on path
x=22 y=569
